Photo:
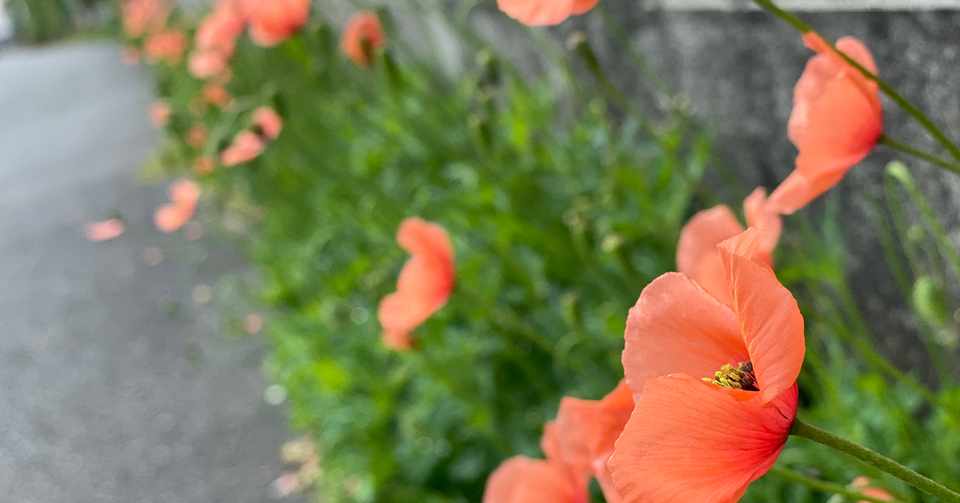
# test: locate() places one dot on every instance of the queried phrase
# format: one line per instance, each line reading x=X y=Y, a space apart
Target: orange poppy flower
x=362 y=36
x=544 y=12
x=105 y=230
x=246 y=147
x=424 y=285
x=273 y=21
x=167 y=46
x=206 y=64
x=160 y=113
x=268 y=121
x=865 y=486
x=697 y=253
x=184 y=195
x=837 y=119
x=217 y=95
x=715 y=385
x=144 y=16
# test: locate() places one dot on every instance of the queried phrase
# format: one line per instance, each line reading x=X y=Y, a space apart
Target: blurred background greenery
x=563 y=200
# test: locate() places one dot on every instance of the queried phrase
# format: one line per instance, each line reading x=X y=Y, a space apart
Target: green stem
x=824 y=486
x=920 y=154
x=876 y=460
x=887 y=89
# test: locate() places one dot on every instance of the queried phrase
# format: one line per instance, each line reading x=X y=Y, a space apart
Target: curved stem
x=824 y=486
x=920 y=154
x=887 y=89
x=876 y=460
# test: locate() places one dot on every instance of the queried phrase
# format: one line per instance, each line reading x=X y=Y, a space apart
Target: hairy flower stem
x=887 y=89
x=824 y=486
x=919 y=154
x=876 y=460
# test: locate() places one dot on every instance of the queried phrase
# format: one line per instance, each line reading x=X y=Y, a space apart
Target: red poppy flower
x=424 y=285
x=246 y=147
x=105 y=230
x=217 y=95
x=160 y=113
x=269 y=122
x=837 y=119
x=715 y=385
x=363 y=35
x=184 y=195
x=167 y=46
x=544 y=12
x=865 y=486
x=141 y=17
x=697 y=254
x=273 y=21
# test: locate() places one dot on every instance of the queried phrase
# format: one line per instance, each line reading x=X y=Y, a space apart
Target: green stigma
x=740 y=376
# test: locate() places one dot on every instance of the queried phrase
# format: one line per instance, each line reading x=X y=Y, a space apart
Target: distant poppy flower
x=204 y=165
x=362 y=36
x=184 y=195
x=865 y=486
x=544 y=12
x=273 y=21
x=269 y=122
x=166 y=46
x=144 y=16
x=836 y=121
x=105 y=230
x=697 y=254
x=715 y=385
x=424 y=285
x=246 y=147
x=217 y=95
x=216 y=40
x=197 y=136
x=160 y=113
x=206 y=64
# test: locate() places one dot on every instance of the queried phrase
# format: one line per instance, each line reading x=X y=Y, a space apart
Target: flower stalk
x=876 y=460
x=822 y=485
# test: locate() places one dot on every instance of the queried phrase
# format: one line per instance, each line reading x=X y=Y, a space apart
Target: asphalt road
x=116 y=385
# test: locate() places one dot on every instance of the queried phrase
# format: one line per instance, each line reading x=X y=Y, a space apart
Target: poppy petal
x=691 y=441
x=524 y=480
x=770 y=321
x=587 y=429
x=761 y=215
x=677 y=327
x=697 y=254
x=537 y=12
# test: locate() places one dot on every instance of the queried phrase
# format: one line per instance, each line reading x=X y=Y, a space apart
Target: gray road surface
x=115 y=386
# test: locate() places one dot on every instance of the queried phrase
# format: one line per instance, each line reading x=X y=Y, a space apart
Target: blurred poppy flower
x=544 y=12
x=197 y=136
x=184 y=195
x=865 y=486
x=246 y=147
x=697 y=254
x=166 y=46
x=203 y=165
x=215 y=94
x=715 y=385
x=362 y=36
x=268 y=121
x=273 y=21
x=160 y=113
x=206 y=64
x=144 y=16
x=424 y=285
x=216 y=39
x=836 y=121
x=105 y=230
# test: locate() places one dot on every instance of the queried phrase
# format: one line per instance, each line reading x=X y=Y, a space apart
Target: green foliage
x=38 y=21
x=562 y=207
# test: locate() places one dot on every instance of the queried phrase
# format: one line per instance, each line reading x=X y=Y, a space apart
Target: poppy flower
x=544 y=12
x=362 y=36
x=273 y=21
x=714 y=384
x=206 y=64
x=836 y=121
x=217 y=95
x=246 y=147
x=144 y=16
x=697 y=253
x=184 y=195
x=865 y=486
x=167 y=46
x=526 y=480
x=424 y=285
x=160 y=113
x=268 y=121
x=216 y=39
x=197 y=136
x=105 y=230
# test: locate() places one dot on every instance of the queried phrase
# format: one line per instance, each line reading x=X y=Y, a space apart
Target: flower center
x=739 y=376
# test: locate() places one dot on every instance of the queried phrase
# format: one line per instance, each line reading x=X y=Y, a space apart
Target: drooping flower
x=246 y=147
x=836 y=121
x=715 y=384
x=362 y=36
x=544 y=12
x=424 y=285
x=268 y=121
x=697 y=254
x=167 y=46
x=105 y=230
x=273 y=21
x=184 y=195
x=160 y=113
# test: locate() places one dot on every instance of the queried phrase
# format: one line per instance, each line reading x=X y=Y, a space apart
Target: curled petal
x=769 y=319
x=689 y=441
x=697 y=254
x=677 y=327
